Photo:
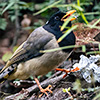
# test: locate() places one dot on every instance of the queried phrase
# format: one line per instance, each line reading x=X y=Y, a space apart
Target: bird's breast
x=45 y=63
x=42 y=64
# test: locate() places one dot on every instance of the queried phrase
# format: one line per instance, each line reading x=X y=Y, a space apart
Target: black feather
x=53 y=26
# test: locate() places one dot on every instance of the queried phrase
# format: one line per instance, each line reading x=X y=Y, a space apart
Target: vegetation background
x=18 y=18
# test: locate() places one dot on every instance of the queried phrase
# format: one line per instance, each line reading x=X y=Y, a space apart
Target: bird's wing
x=29 y=49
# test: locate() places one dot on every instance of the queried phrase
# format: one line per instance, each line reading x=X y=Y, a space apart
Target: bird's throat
x=68 y=40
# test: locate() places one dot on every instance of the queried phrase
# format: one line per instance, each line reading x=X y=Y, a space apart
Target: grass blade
x=67 y=32
x=65 y=23
x=91 y=26
x=60 y=48
x=50 y=6
x=78 y=3
x=96 y=22
x=81 y=13
x=92 y=13
x=70 y=5
x=84 y=18
x=9 y=5
x=83 y=48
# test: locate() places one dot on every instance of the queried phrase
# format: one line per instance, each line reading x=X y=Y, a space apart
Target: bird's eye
x=57 y=17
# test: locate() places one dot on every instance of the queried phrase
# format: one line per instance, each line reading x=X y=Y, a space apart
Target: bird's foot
x=67 y=70
x=44 y=91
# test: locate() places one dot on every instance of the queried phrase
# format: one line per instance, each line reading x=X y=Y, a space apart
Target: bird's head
x=54 y=24
x=57 y=19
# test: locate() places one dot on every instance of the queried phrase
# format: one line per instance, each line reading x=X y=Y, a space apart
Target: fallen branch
x=25 y=93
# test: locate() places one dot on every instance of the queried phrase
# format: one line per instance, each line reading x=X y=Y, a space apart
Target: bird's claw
x=44 y=91
x=67 y=70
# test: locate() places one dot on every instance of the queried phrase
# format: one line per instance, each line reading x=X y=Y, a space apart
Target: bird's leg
x=43 y=90
x=67 y=70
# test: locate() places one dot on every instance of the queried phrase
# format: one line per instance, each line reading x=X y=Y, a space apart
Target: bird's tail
x=6 y=73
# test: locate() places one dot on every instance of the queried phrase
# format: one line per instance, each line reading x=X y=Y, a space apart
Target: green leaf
x=23 y=3
x=66 y=90
x=70 y=5
x=6 y=56
x=9 y=5
x=77 y=86
x=49 y=74
x=77 y=7
x=50 y=6
x=31 y=77
x=15 y=48
x=84 y=18
x=86 y=3
x=13 y=18
x=81 y=13
x=3 y=23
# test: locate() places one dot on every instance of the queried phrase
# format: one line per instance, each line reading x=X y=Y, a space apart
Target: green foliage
x=83 y=48
x=3 y=23
x=31 y=77
x=79 y=5
x=97 y=97
x=81 y=13
x=91 y=89
x=77 y=86
x=15 y=48
x=66 y=22
x=49 y=74
x=19 y=5
x=66 y=90
x=38 y=24
x=97 y=7
x=49 y=6
x=7 y=56
x=94 y=25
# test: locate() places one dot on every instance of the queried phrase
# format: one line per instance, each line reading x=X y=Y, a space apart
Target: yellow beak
x=69 y=13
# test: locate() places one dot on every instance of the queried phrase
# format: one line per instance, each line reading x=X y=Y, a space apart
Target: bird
x=28 y=60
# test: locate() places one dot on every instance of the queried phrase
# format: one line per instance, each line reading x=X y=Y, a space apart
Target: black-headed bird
x=28 y=60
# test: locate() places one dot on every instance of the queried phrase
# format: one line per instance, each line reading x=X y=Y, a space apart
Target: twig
x=23 y=95
x=71 y=97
